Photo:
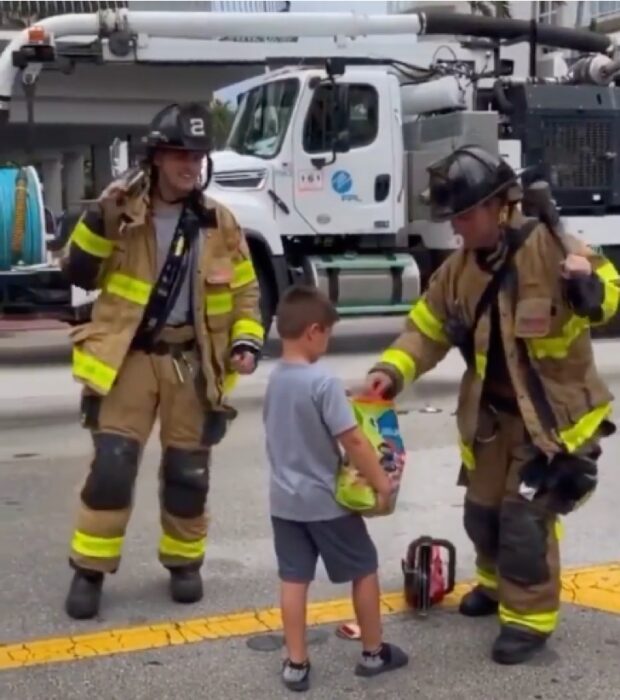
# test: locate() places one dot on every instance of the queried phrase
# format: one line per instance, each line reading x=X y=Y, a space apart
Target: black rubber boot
x=515 y=645
x=185 y=584
x=477 y=603
x=84 y=595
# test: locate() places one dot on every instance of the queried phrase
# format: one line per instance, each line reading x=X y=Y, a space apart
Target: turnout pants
x=516 y=541
x=121 y=423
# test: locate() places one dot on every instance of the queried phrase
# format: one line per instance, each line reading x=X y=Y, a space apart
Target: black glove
x=564 y=482
x=585 y=294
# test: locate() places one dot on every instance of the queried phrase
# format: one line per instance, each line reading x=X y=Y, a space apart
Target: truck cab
x=313 y=170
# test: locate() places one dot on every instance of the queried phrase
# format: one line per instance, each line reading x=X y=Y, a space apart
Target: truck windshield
x=262 y=119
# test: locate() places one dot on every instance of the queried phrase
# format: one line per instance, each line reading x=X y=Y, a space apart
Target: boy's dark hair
x=300 y=307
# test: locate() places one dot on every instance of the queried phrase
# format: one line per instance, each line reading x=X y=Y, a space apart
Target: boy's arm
x=366 y=461
x=338 y=416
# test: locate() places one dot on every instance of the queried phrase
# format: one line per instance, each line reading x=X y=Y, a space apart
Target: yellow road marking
x=594 y=587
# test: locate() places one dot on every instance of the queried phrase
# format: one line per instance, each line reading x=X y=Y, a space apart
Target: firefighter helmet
x=184 y=127
x=467 y=177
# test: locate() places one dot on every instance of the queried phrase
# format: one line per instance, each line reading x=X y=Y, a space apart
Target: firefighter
x=176 y=321
x=532 y=408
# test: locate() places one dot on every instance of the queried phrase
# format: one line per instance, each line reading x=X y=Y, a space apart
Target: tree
x=500 y=8
x=223 y=117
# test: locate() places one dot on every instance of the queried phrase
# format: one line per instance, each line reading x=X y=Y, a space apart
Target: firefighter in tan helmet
x=176 y=320
x=532 y=408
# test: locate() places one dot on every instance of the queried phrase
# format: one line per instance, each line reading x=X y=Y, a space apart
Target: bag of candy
x=378 y=420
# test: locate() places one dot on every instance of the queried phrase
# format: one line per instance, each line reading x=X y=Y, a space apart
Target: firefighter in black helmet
x=532 y=408
x=176 y=321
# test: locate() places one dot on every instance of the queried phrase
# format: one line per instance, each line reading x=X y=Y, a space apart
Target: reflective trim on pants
x=486 y=579
x=96 y=547
x=467 y=455
x=543 y=622
x=171 y=547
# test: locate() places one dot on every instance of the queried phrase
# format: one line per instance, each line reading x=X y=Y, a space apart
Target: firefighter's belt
x=161 y=347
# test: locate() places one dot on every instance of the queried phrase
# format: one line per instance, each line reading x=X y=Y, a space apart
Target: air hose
x=22 y=218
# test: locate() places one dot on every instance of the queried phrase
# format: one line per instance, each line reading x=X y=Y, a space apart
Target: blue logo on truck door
x=342 y=184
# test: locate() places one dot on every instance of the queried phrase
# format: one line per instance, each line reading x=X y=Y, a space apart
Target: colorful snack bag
x=378 y=420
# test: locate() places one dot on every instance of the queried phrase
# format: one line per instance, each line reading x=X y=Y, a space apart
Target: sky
x=371 y=6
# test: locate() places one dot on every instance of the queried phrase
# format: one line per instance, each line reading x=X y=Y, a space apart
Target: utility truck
x=327 y=156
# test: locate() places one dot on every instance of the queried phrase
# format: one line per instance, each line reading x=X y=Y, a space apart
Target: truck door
x=356 y=193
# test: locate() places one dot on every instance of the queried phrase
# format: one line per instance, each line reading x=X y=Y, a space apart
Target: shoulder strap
x=166 y=290
x=516 y=241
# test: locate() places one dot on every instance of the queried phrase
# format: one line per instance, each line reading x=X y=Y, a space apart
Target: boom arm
x=213 y=25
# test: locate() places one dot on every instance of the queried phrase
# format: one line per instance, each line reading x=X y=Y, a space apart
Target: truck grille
x=577 y=153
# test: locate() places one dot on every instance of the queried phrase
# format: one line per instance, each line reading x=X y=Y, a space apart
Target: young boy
x=306 y=413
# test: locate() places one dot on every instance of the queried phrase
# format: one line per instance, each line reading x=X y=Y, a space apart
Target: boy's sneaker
x=296 y=676
x=388 y=657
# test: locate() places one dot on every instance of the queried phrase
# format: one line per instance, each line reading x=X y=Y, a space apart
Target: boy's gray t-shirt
x=305 y=408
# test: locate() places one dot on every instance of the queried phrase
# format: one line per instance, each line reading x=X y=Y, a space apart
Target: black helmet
x=185 y=127
x=467 y=177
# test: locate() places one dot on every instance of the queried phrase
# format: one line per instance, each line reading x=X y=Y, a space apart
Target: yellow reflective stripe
x=90 y=242
x=243 y=274
x=427 y=322
x=129 y=288
x=487 y=579
x=584 y=428
x=230 y=382
x=171 y=547
x=467 y=455
x=92 y=370
x=558 y=347
x=610 y=301
x=399 y=359
x=247 y=326
x=218 y=303
x=96 y=547
x=481 y=364
x=558 y=529
x=608 y=274
x=544 y=622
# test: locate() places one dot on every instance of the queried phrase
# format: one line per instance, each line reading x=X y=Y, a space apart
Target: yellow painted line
x=594 y=587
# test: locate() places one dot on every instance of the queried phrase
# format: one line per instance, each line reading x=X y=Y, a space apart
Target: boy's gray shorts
x=343 y=544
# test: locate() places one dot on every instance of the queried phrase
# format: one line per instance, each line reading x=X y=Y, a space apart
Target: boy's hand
x=384 y=495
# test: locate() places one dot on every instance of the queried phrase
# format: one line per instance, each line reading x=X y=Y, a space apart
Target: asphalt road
x=43 y=463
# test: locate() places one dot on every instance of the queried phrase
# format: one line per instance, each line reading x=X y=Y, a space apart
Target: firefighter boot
x=477 y=603
x=185 y=584
x=84 y=595
x=514 y=645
